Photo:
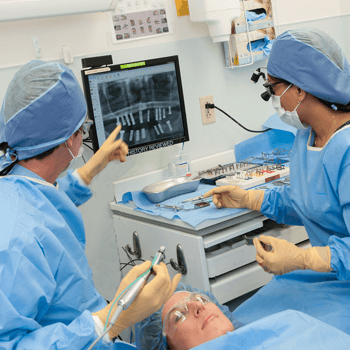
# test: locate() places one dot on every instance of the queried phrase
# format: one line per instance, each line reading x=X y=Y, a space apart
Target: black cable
x=130 y=259
x=87 y=145
x=211 y=105
x=130 y=262
x=137 y=259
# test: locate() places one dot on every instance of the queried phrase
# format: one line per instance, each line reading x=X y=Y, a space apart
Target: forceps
x=174 y=207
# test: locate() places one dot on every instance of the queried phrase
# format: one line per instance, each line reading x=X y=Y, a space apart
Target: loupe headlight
x=269 y=89
x=267 y=85
x=256 y=76
x=266 y=95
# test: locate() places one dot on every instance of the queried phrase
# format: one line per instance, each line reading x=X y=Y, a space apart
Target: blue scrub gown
x=46 y=289
x=318 y=196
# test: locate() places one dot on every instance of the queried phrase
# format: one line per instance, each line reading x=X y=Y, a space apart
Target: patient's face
x=204 y=323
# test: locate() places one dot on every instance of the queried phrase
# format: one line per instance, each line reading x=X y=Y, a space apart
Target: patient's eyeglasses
x=179 y=313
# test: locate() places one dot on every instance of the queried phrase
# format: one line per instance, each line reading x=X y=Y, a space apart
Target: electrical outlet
x=208 y=114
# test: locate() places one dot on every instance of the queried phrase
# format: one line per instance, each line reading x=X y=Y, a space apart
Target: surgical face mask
x=290 y=118
x=74 y=158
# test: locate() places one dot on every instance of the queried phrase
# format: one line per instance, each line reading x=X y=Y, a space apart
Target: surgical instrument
x=130 y=293
x=198 y=198
x=134 y=290
x=201 y=205
x=249 y=241
x=174 y=207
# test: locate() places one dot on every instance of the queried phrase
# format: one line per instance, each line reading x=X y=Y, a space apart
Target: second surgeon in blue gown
x=309 y=84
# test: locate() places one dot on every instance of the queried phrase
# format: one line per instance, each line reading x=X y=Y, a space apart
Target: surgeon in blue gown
x=47 y=296
x=308 y=81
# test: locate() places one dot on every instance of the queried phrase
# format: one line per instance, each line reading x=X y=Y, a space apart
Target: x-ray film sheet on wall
x=145 y=101
x=139 y=20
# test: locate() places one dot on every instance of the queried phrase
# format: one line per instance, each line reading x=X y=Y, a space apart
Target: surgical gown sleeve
x=30 y=300
x=340 y=246
x=47 y=293
x=74 y=189
x=278 y=207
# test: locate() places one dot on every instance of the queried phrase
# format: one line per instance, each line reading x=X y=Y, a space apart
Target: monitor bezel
x=148 y=146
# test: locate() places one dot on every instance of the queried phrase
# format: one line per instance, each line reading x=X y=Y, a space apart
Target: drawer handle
x=180 y=266
x=137 y=246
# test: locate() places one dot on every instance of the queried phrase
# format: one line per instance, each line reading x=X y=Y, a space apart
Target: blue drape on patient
x=319 y=295
x=287 y=330
x=299 y=310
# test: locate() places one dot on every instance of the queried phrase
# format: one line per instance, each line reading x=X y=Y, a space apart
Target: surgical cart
x=212 y=255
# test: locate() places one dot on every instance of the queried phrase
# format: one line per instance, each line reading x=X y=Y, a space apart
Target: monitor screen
x=145 y=97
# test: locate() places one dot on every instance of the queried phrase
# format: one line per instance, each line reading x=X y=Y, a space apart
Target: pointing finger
x=111 y=138
x=218 y=190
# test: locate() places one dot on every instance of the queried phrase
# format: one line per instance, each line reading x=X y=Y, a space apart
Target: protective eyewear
x=179 y=312
x=84 y=129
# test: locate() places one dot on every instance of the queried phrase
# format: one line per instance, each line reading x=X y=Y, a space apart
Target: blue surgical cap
x=149 y=331
x=43 y=106
x=313 y=61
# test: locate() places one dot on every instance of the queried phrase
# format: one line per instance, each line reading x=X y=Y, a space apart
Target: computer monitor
x=145 y=97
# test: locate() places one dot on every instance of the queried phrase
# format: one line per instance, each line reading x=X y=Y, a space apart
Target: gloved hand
x=286 y=257
x=152 y=296
x=110 y=150
x=235 y=197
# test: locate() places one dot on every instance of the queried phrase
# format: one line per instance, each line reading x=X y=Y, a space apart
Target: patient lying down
x=189 y=318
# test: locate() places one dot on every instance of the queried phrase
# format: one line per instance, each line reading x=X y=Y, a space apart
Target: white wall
x=344 y=6
x=345 y=13
x=203 y=73
x=289 y=12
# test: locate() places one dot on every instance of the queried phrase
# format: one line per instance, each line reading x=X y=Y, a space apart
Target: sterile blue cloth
x=252 y=16
x=318 y=196
x=149 y=331
x=46 y=289
x=38 y=90
x=193 y=217
x=320 y=295
x=265 y=143
x=325 y=71
x=288 y=330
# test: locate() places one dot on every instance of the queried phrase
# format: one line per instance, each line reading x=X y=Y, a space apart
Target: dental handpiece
x=129 y=296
